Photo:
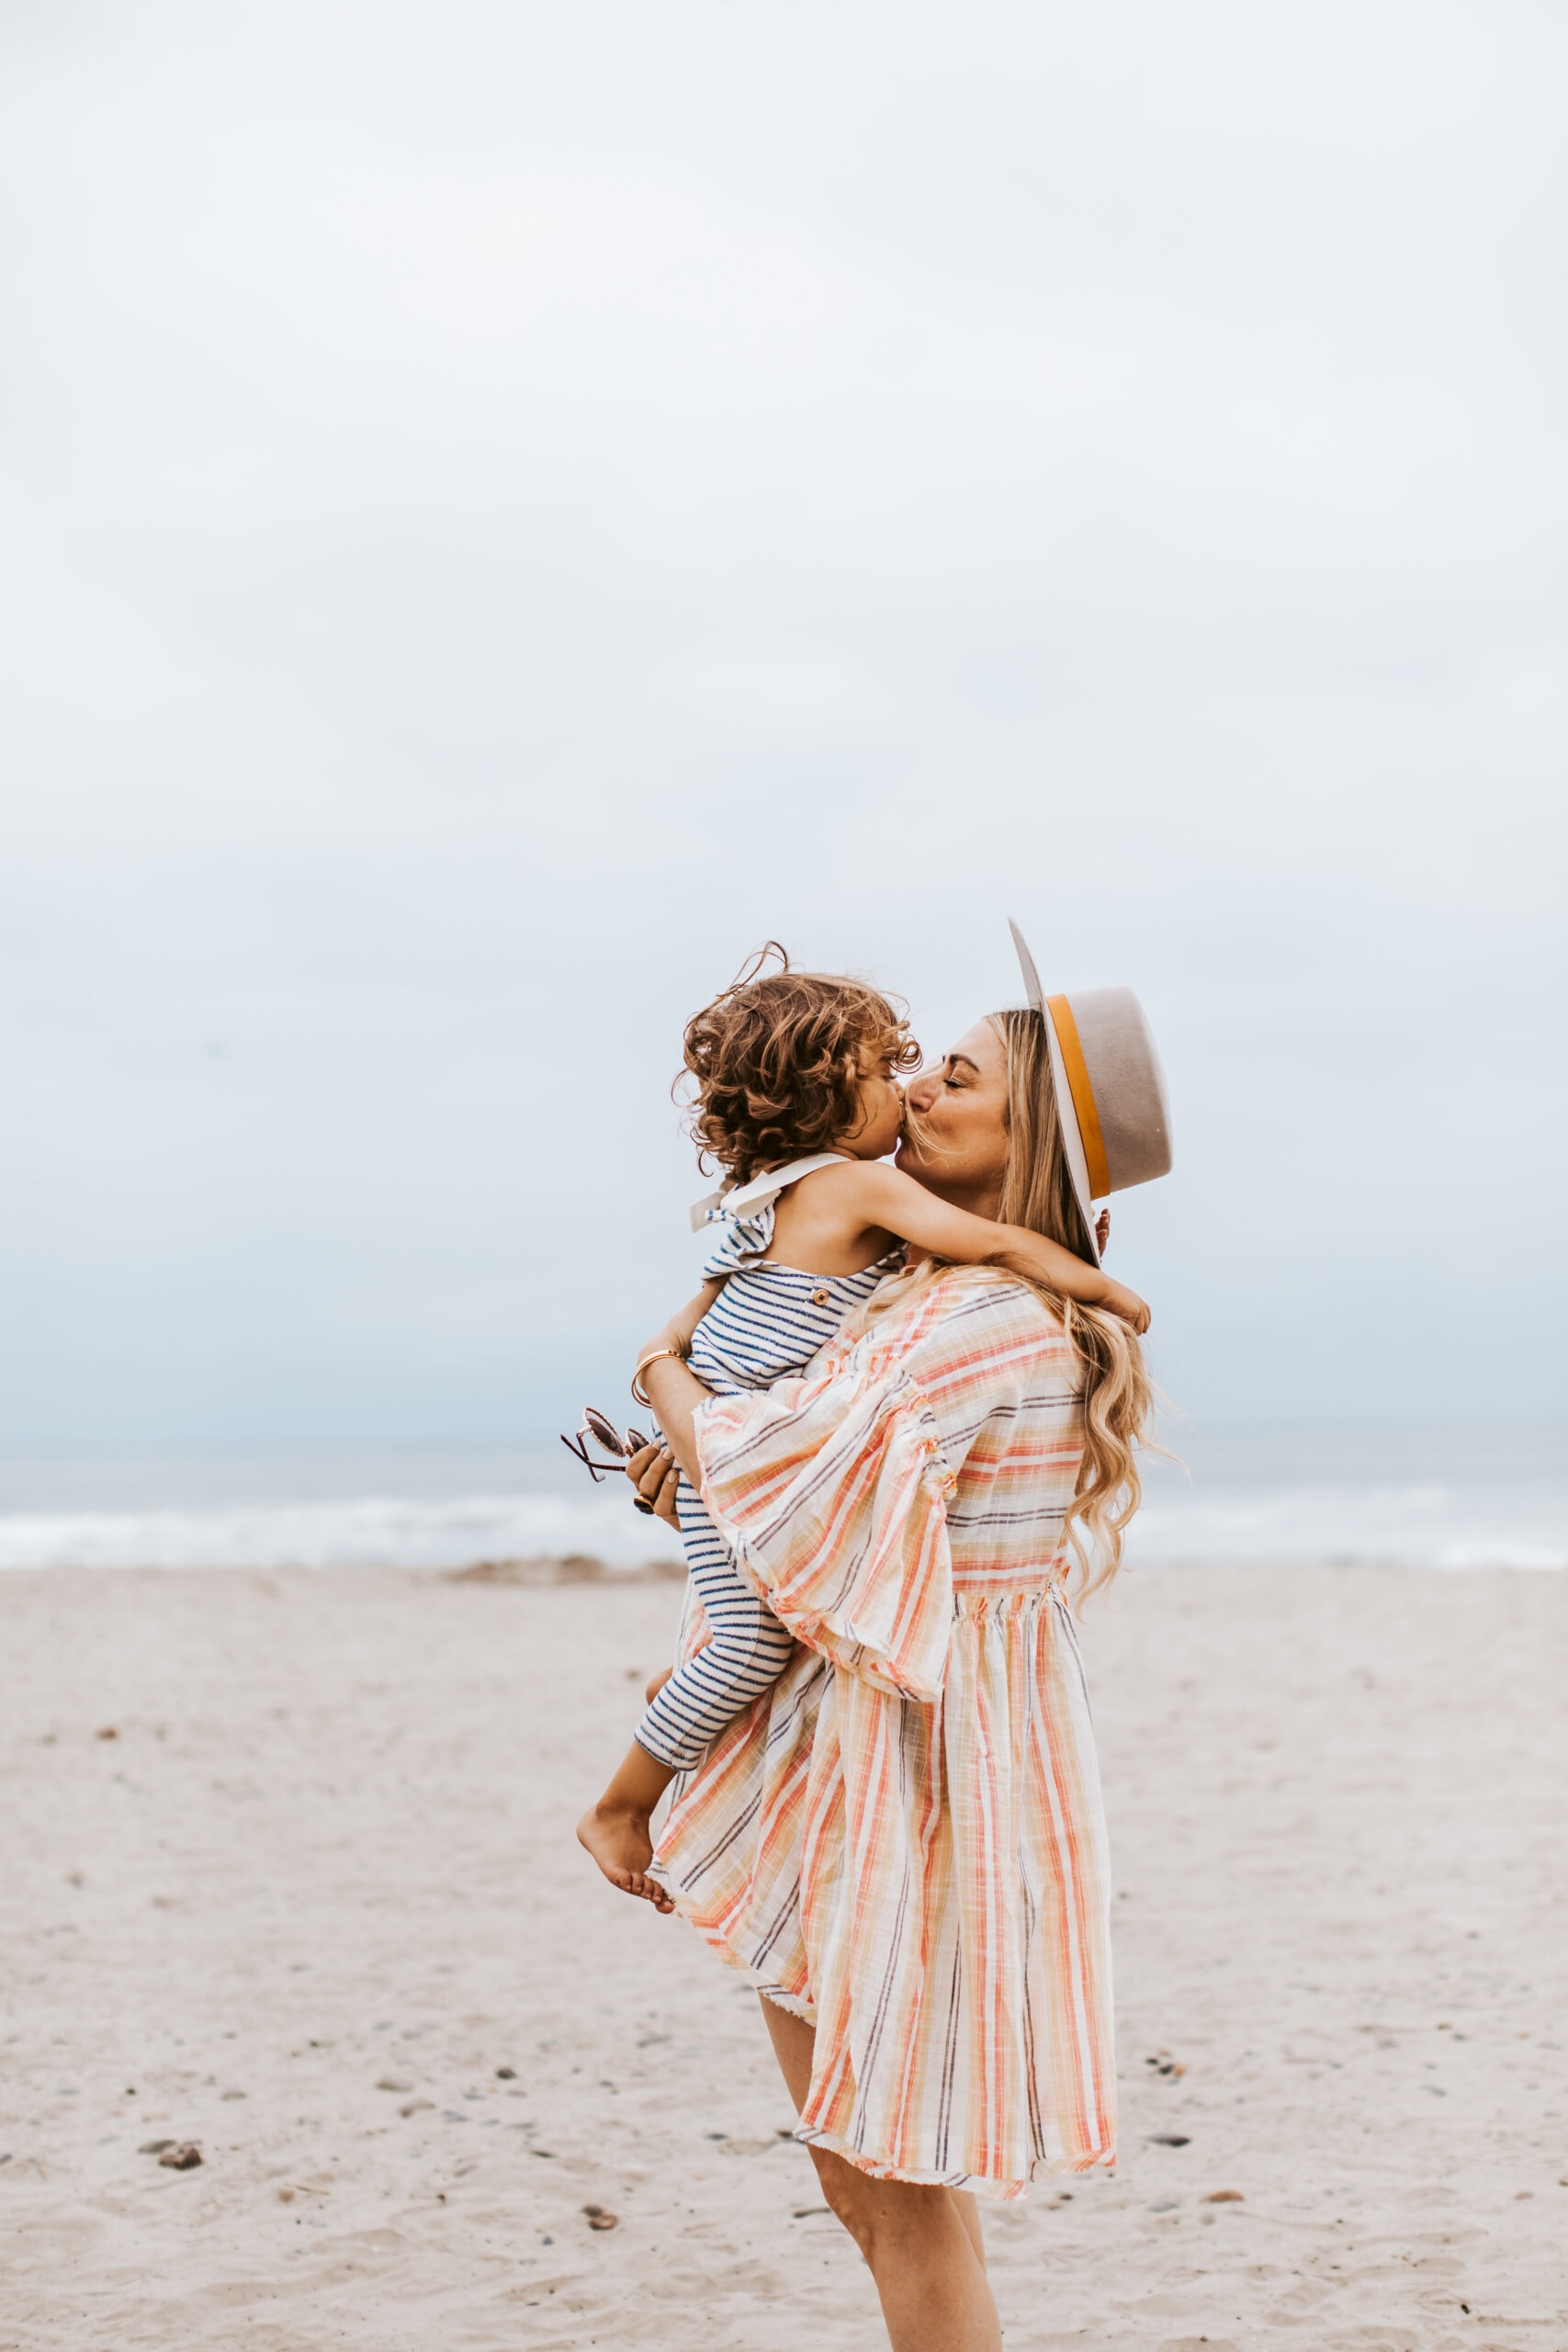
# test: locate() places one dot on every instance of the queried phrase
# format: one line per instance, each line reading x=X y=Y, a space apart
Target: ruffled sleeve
x=738 y=1241
x=830 y=1492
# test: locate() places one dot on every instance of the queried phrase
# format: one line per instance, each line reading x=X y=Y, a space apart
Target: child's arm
x=899 y=1206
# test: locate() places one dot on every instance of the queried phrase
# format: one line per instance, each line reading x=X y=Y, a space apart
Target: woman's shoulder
x=972 y=1315
x=985 y=1298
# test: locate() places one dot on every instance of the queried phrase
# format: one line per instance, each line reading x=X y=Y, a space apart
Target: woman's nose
x=922 y=1091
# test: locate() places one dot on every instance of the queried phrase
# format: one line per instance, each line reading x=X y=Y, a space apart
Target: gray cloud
x=507 y=507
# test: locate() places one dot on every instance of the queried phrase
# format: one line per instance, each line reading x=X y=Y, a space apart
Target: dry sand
x=318 y=1892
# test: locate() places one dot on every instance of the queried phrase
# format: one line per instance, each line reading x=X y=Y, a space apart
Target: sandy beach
x=289 y=1875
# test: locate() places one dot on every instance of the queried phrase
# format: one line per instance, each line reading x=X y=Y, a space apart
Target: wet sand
x=315 y=1906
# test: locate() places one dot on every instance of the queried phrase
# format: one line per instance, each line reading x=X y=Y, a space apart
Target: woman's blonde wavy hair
x=1117 y=1398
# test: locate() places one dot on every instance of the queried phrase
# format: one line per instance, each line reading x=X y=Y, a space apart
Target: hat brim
x=1067 y=1110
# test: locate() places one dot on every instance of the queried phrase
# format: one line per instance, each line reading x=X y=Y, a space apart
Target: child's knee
x=752 y=1655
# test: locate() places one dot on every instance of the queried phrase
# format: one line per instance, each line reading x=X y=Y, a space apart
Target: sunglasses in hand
x=620 y=1444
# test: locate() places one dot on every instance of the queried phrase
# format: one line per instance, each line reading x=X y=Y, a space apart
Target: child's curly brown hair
x=778 y=1059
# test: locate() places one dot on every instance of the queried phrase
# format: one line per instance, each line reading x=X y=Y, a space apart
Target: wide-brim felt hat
x=1110 y=1090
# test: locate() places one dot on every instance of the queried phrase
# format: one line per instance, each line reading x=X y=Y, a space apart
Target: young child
x=798 y=1099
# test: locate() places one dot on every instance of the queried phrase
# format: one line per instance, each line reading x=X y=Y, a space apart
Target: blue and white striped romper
x=765 y=1325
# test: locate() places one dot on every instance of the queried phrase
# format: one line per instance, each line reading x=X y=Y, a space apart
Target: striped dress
x=768 y=1322
x=902 y=1839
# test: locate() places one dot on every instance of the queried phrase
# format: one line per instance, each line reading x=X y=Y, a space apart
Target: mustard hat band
x=1073 y=1062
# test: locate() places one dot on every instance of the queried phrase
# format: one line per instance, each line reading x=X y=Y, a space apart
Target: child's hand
x=1120 y=1300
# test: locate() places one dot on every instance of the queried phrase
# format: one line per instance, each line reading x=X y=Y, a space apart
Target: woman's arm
x=652 y=1469
x=673 y=1388
x=679 y=1330
x=900 y=1205
x=676 y=1392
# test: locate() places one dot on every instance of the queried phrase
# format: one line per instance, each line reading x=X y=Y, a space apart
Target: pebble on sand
x=1170 y=2140
x=598 y=2220
x=185 y=2158
x=1223 y=2197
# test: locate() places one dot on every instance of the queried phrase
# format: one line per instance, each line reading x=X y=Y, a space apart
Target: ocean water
x=1414 y=1494
x=410 y=1508
x=1426 y=1495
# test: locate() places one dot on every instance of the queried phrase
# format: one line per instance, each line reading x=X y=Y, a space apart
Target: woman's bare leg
x=969 y=2214
x=923 y=2245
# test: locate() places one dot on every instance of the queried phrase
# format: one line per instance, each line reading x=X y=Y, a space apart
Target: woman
x=902 y=1841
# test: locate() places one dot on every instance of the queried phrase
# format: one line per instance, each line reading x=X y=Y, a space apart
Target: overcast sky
x=507 y=506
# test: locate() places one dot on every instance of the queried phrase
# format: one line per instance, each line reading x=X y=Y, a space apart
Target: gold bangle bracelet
x=639 y=1394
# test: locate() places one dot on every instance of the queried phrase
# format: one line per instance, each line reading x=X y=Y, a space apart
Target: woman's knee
x=848 y=2192
x=879 y=2213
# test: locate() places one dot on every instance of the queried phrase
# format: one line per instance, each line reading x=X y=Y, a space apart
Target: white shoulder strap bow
x=744 y=1200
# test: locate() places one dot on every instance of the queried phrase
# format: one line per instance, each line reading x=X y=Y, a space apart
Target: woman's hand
x=654 y=1477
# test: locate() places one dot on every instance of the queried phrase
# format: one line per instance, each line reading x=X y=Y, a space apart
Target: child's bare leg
x=615 y=1830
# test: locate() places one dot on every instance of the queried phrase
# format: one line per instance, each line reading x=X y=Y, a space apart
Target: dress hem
x=799 y=2004
x=1007 y=2191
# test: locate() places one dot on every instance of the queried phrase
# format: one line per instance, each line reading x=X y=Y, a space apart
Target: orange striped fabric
x=903 y=1839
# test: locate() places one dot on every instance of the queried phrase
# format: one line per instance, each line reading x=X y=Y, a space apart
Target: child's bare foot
x=615 y=1829
x=617 y=1835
